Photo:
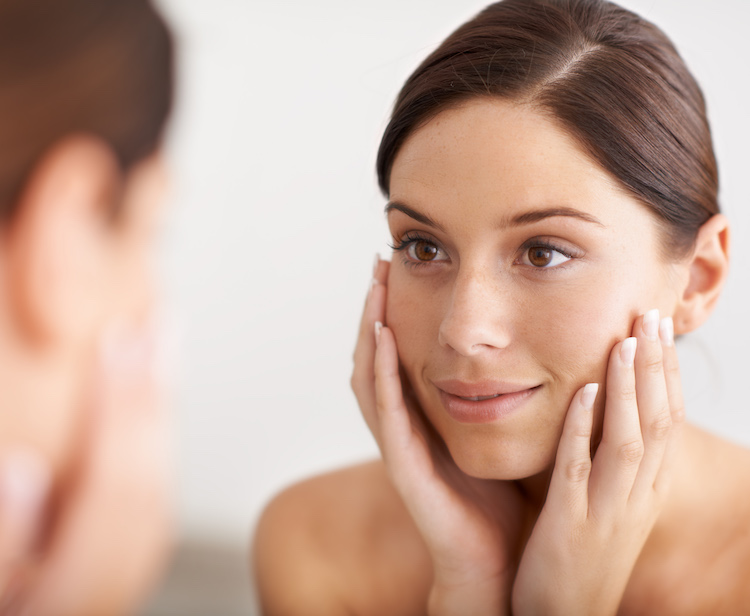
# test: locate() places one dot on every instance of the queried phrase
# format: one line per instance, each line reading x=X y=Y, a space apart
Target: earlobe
x=708 y=267
x=53 y=249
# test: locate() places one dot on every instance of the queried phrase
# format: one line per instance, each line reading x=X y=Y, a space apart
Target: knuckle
x=578 y=471
x=661 y=426
x=581 y=433
x=627 y=394
x=672 y=369
x=654 y=366
x=380 y=406
x=678 y=415
x=630 y=453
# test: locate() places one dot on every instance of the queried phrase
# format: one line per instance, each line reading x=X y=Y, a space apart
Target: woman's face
x=519 y=263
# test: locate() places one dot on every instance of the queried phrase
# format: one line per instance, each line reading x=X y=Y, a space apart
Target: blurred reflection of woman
x=85 y=90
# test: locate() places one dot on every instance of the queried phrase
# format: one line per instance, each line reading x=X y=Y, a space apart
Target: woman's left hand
x=598 y=516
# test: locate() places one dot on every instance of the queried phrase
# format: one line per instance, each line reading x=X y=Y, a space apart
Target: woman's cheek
x=576 y=344
x=413 y=317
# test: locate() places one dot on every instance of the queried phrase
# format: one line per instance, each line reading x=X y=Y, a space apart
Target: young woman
x=85 y=90
x=552 y=197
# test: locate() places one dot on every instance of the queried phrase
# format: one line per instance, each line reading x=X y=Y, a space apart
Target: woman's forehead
x=492 y=154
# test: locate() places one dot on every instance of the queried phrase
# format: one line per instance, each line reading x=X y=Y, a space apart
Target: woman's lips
x=482 y=402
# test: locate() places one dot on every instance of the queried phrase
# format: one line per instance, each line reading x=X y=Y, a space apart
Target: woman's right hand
x=470 y=527
x=99 y=544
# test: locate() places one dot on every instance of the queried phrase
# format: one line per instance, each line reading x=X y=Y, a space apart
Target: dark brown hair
x=100 y=67
x=613 y=80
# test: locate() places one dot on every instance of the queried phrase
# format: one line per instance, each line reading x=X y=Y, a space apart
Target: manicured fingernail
x=375 y=265
x=373 y=284
x=666 y=331
x=378 y=328
x=627 y=351
x=589 y=395
x=24 y=485
x=651 y=324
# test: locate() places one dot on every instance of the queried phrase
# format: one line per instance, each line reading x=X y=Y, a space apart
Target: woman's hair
x=99 y=67
x=611 y=79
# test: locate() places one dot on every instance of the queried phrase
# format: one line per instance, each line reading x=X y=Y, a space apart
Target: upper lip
x=477 y=389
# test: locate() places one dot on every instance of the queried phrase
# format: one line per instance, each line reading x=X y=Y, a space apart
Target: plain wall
x=276 y=220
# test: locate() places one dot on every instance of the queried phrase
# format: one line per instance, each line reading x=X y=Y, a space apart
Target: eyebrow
x=404 y=209
x=517 y=221
x=537 y=215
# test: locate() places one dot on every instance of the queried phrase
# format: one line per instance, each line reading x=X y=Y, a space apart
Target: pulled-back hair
x=611 y=79
x=101 y=67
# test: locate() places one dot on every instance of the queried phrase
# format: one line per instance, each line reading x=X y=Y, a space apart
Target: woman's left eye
x=542 y=256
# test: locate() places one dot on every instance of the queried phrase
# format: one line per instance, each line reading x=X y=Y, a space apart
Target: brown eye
x=539 y=256
x=424 y=251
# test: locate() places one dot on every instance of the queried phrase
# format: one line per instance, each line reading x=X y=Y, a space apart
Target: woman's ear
x=708 y=267
x=54 y=249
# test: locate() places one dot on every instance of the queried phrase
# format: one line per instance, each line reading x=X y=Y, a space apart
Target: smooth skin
x=591 y=511
x=570 y=504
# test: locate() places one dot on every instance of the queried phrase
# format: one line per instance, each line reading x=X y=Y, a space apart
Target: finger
x=393 y=415
x=568 y=489
x=24 y=488
x=405 y=451
x=676 y=402
x=382 y=270
x=109 y=544
x=621 y=449
x=362 y=380
x=653 y=402
x=363 y=326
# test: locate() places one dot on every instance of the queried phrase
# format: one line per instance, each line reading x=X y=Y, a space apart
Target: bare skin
x=378 y=564
x=515 y=371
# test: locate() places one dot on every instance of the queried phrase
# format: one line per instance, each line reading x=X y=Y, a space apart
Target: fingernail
x=589 y=395
x=666 y=331
x=375 y=265
x=378 y=328
x=627 y=351
x=24 y=485
x=373 y=284
x=651 y=324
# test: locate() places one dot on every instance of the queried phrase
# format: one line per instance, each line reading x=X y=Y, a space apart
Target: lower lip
x=484 y=411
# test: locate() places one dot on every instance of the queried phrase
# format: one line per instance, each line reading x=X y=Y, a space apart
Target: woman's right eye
x=418 y=250
x=423 y=251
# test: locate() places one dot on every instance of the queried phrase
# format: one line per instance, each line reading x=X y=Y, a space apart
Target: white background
x=276 y=219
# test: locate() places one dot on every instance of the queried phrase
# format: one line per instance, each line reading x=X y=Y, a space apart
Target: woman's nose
x=477 y=319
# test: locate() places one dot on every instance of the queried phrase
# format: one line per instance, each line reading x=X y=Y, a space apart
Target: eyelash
x=548 y=245
x=403 y=243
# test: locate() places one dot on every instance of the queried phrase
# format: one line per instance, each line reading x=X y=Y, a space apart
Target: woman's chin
x=498 y=462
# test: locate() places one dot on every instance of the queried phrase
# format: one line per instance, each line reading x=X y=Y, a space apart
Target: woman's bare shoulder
x=711 y=543
x=340 y=542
